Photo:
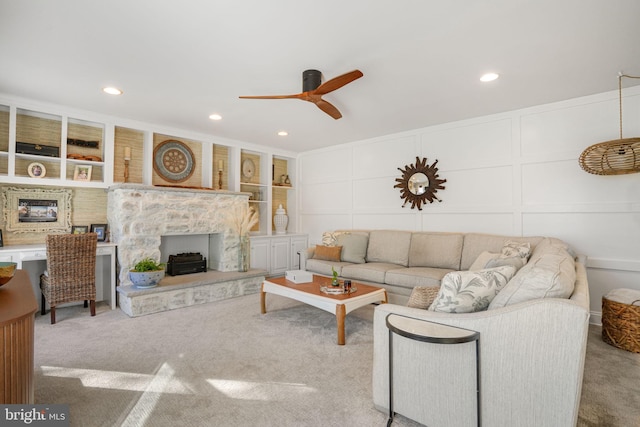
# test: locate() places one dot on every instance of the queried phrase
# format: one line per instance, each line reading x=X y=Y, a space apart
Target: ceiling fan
x=313 y=89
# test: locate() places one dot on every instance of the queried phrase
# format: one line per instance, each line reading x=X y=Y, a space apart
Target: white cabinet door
x=260 y=250
x=298 y=244
x=280 y=255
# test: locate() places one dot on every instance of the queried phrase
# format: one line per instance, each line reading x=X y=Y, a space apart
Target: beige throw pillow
x=552 y=275
x=423 y=296
x=354 y=247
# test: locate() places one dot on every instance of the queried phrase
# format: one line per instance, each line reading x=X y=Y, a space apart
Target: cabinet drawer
x=103 y=251
x=33 y=255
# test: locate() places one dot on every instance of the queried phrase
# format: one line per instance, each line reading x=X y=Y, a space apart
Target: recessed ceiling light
x=283 y=133
x=489 y=77
x=215 y=117
x=112 y=90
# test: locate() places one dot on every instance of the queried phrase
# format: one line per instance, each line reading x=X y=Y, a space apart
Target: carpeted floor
x=225 y=364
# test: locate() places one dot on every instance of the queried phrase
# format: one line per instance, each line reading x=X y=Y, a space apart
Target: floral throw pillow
x=330 y=238
x=471 y=291
x=512 y=248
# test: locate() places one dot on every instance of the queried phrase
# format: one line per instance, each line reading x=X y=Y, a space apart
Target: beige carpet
x=225 y=364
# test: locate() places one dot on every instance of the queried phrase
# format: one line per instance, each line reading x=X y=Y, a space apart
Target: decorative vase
x=244 y=251
x=280 y=220
x=146 y=279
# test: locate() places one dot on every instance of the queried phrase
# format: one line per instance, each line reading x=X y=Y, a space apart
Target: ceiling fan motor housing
x=311 y=80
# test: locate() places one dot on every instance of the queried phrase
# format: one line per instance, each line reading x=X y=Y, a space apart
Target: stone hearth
x=139 y=215
x=183 y=291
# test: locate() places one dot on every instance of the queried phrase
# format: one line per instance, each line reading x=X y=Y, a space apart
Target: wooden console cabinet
x=18 y=306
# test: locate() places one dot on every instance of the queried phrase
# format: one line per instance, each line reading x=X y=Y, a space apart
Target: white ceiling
x=179 y=61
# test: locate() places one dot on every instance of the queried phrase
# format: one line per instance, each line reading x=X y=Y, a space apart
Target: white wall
x=515 y=173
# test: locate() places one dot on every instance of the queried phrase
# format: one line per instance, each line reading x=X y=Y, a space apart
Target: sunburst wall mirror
x=419 y=183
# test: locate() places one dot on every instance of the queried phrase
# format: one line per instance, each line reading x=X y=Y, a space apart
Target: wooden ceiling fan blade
x=328 y=108
x=296 y=96
x=338 y=82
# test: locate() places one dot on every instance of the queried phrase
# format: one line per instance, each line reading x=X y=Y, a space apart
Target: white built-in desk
x=33 y=259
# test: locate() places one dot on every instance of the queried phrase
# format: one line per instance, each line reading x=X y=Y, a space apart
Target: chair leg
x=42 y=305
x=93 y=307
x=85 y=304
x=53 y=315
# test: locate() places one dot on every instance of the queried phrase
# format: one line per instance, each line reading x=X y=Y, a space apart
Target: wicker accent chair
x=71 y=271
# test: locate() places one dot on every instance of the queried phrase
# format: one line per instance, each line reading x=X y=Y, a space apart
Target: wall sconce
x=127 y=158
x=220 y=169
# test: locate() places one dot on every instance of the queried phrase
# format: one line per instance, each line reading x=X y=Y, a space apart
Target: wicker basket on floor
x=621 y=324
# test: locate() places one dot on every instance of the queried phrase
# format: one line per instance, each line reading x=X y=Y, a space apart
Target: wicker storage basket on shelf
x=621 y=319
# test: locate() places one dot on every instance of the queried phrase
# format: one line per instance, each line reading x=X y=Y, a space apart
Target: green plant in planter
x=146 y=273
x=335 y=281
x=148 y=264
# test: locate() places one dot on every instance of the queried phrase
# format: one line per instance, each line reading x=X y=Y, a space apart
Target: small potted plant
x=335 y=281
x=146 y=273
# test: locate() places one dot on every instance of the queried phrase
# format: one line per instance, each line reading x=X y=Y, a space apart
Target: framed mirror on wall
x=419 y=183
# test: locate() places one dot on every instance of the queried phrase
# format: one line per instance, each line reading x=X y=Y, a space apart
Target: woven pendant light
x=615 y=157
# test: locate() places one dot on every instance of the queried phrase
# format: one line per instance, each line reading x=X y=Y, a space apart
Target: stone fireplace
x=140 y=216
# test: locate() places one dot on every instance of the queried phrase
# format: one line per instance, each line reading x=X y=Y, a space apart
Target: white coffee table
x=309 y=293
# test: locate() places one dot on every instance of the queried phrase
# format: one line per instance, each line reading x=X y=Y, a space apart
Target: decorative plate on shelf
x=248 y=168
x=174 y=161
x=36 y=170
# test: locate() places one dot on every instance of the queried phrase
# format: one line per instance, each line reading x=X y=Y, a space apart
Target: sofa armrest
x=531 y=360
x=306 y=254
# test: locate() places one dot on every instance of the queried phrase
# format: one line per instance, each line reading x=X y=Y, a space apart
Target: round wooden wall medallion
x=174 y=161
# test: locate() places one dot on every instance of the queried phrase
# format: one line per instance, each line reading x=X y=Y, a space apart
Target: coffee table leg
x=341 y=313
x=263 y=304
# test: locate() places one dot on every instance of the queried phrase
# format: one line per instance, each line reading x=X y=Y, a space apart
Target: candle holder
x=127 y=158
x=219 y=180
x=126 y=170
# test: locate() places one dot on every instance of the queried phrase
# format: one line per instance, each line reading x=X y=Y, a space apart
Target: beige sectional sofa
x=400 y=260
x=532 y=336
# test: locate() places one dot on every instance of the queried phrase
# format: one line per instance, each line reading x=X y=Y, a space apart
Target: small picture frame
x=82 y=173
x=1 y=239
x=79 y=229
x=36 y=170
x=100 y=230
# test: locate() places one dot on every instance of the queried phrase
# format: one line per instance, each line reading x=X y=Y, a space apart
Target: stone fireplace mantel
x=139 y=215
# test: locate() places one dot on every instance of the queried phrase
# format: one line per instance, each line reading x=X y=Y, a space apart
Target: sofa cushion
x=370 y=272
x=440 y=250
x=551 y=275
x=388 y=246
x=551 y=245
x=354 y=247
x=470 y=291
x=415 y=276
x=321 y=266
x=422 y=296
x=328 y=253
